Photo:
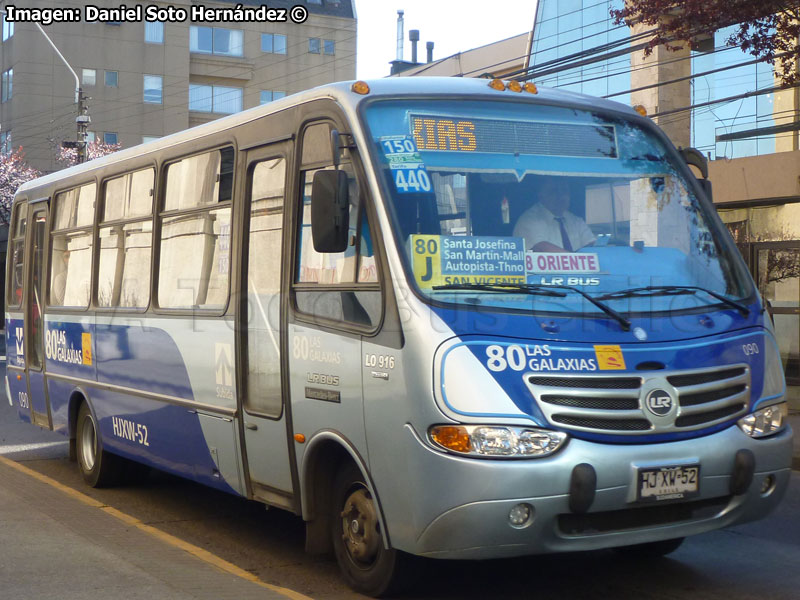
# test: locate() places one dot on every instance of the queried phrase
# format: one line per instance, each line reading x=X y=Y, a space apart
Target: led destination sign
x=498 y=136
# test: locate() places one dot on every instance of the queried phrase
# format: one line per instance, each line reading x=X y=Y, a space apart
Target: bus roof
x=340 y=92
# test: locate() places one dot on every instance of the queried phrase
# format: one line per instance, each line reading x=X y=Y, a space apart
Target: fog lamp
x=520 y=515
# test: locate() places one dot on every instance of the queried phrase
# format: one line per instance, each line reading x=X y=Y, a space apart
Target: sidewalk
x=59 y=544
x=793 y=396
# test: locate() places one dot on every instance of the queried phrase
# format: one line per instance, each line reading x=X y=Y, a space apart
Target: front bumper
x=461 y=506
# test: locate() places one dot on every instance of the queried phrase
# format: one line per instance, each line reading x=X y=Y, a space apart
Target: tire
x=98 y=467
x=651 y=549
x=358 y=544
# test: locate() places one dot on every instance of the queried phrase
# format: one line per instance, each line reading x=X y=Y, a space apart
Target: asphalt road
x=752 y=561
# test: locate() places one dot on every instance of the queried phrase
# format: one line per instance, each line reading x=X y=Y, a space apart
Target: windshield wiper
x=506 y=288
x=625 y=323
x=674 y=290
x=542 y=290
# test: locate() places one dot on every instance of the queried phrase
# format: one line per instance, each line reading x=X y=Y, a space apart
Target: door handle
x=251 y=426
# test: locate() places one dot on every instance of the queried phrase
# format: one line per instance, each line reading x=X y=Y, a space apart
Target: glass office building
x=752 y=140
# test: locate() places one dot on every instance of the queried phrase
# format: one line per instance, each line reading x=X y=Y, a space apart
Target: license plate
x=668 y=483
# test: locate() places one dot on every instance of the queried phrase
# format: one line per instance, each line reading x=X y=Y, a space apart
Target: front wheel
x=98 y=467
x=367 y=566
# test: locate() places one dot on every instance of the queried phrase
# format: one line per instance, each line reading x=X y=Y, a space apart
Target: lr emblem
x=659 y=403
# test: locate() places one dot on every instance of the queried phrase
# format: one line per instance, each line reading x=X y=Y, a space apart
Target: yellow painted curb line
x=195 y=551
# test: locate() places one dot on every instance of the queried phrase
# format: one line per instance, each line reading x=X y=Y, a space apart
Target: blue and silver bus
x=433 y=317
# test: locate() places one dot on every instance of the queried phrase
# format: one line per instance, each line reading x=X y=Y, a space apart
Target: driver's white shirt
x=537 y=224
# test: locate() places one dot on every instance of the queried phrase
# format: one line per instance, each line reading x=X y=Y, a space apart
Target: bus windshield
x=504 y=204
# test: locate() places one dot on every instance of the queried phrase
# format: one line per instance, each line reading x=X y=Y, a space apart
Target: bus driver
x=548 y=225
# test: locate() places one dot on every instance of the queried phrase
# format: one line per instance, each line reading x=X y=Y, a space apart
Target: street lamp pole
x=83 y=119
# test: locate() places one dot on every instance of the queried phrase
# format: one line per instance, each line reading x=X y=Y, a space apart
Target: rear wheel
x=98 y=467
x=358 y=543
x=650 y=549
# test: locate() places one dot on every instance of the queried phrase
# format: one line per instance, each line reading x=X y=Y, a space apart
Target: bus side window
x=125 y=240
x=14 y=298
x=194 y=262
x=71 y=247
x=335 y=285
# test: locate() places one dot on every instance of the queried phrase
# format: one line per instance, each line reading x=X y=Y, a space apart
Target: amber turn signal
x=360 y=87
x=452 y=437
x=497 y=84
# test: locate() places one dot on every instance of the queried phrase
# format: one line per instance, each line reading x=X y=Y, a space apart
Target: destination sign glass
x=453 y=134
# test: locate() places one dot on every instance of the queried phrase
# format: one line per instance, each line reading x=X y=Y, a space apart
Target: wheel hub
x=360 y=527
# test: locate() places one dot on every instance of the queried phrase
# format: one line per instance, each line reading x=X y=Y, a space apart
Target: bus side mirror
x=705 y=184
x=330 y=211
x=694 y=158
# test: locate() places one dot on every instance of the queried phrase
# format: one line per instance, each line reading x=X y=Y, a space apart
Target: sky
x=453 y=26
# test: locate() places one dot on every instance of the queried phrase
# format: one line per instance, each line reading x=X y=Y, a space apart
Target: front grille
x=599 y=383
x=609 y=403
x=592 y=403
x=605 y=424
x=708 y=417
x=641 y=517
x=705 y=377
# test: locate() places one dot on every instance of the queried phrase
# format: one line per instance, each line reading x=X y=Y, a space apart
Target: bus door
x=15 y=323
x=336 y=297
x=34 y=318
x=266 y=446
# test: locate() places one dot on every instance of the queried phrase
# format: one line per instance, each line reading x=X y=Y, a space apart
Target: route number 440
x=412 y=180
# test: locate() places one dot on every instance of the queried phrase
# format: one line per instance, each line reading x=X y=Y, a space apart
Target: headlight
x=497 y=442
x=765 y=421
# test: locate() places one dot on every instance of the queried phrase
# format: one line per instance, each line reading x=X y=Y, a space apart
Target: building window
x=5 y=142
x=8 y=28
x=112 y=78
x=8 y=80
x=314 y=1
x=154 y=32
x=153 y=85
x=89 y=76
x=149 y=138
x=90 y=137
x=216 y=40
x=194 y=261
x=215 y=98
x=110 y=138
x=329 y=47
x=313 y=45
x=274 y=43
x=267 y=96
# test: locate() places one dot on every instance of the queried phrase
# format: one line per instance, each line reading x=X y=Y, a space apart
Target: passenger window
x=14 y=298
x=194 y=262
x=330 y=285
x=75 y=208
x=264 y=259
x=71 y=247
x=124 y=270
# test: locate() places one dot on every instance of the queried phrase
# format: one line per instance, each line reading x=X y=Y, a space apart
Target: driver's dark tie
x=564 y=237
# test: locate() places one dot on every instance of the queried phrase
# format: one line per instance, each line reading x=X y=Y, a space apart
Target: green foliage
x=767 y=29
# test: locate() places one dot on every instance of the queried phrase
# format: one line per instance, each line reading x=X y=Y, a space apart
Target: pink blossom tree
x=69 y=156
x=14 y=171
